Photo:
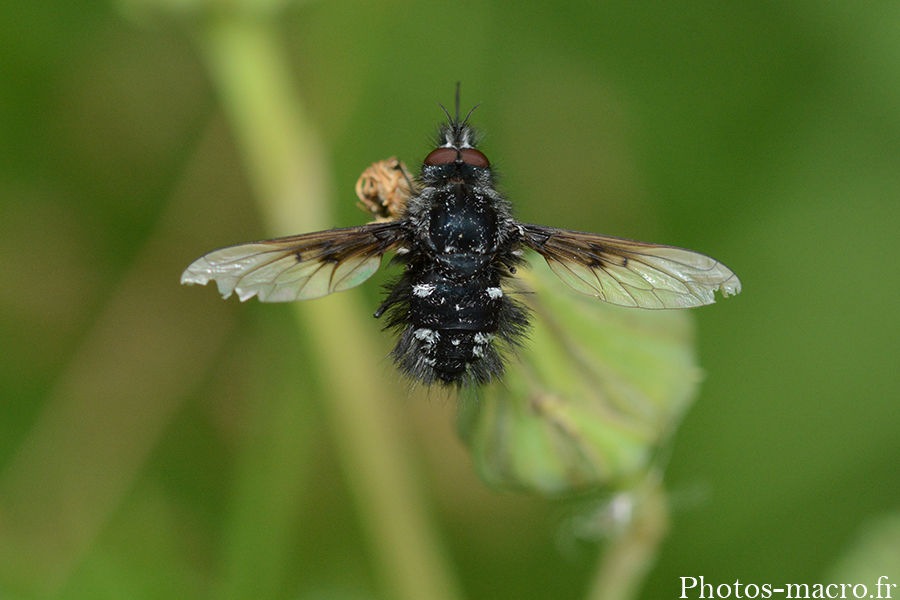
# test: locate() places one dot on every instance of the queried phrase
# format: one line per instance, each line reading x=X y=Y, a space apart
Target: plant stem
x=627 y=559
x=287 y=168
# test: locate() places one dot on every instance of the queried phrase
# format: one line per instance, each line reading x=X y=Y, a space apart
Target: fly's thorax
x=457 y=219
x=462 y=223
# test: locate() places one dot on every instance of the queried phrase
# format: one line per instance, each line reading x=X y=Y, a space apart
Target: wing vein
x=628 y=272
x=298 y=267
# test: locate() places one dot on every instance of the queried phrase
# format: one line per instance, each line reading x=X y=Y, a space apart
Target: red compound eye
x=440 y=156
x=474 y=158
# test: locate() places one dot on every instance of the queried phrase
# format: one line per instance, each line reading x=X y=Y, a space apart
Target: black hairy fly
x=459 y=245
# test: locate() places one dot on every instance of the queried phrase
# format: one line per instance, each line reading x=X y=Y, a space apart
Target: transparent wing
x=630 y=273
x=299 y=267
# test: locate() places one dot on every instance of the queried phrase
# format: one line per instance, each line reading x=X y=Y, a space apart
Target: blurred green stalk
x=586 y=408
x=287 y=169
x=631 y=553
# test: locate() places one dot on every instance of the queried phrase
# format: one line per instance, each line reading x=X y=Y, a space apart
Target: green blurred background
x=156 y=442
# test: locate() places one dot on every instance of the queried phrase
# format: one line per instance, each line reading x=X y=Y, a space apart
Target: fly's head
x=456 y=160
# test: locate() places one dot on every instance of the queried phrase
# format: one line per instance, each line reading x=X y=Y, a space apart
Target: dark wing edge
x=300 y=267
x=631 y=273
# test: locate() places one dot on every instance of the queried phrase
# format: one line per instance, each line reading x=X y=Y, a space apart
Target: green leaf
x=590 y=397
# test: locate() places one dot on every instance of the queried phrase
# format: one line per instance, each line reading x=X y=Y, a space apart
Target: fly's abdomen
x=450 y=328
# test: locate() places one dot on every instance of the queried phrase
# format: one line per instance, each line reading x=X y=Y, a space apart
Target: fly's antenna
x=449 y=118
x=454 y=121
x=470 y=113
